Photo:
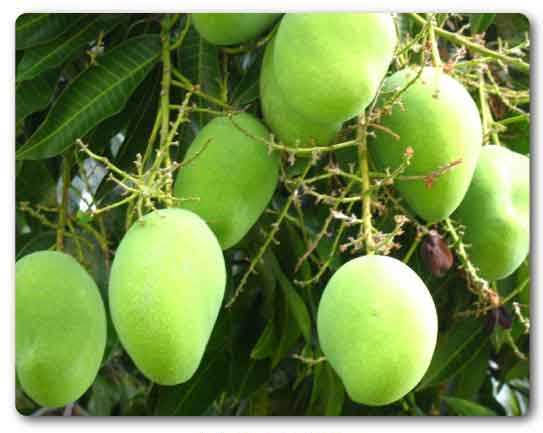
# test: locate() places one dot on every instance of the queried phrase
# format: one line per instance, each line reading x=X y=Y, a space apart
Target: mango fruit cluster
x=323 y=69
x=377 y=322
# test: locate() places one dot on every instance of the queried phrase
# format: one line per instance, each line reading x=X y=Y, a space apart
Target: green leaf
x=467 y=408
x=481 y=22
x=266 y=343
x=289 y=333
x=36 y=184
x=196 y=395
x=198 y=60
x=35 y=95
x=470 y=379
x=459 y=346
x=32 y=242
x=247 y=89
x=39 y=59
x=294 y=301
x=95 y=95
x=143 y=113
x=36 y=29
x=328 y=393
x=104 y=396
x=297 y=307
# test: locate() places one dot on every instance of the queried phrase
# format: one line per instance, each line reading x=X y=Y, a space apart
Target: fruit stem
x=366 y=228
x=66 y=181
x=477 y=48
x=487 y=119
x=479 y=286
x=413 y=247
x=166 y=82
x=269 y=238
x=436 y=59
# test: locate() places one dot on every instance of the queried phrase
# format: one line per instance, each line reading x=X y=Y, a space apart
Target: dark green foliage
x=99 y=78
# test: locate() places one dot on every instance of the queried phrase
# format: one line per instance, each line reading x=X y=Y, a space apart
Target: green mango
x=496 y=212
x=166 y=287
x=291 y=127
x=232 y=28
x=60 y=328
x=377 y=326
x=330 y=65
x=439 y=120
x=229 y=176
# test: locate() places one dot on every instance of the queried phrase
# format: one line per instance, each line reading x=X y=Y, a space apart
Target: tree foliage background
x=106 y=106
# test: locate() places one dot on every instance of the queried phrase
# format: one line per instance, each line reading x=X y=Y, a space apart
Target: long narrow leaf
x=37 y=29
x=454 y=351
x=95 y=95
x=44 y=57
x=34 y=95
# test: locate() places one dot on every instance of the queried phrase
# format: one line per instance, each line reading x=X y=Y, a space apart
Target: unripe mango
x=377 y=326
x=166 y=286
x=231 y=28
x=60 y=329
x=229 y=176
x=291 y=127
x=438 y=119
x=330 y=65
x=496 y=212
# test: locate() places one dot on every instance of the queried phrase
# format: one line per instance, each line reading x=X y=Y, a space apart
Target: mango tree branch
x=477 y=48
x=366 y=228
x=66 y=178
x=166 y=81
x=436 y=59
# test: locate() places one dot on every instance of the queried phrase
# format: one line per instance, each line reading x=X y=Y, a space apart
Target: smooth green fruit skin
x=377 y=326
x=60 y=328
x=496 y=212
x=166 y=286
x=230 y=176
x=440 y=122
x=232 y=28
x=290 y=127
x=331 y=64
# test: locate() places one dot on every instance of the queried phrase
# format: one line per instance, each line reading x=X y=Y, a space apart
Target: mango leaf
x=247 y=91
x=455 y=349
x=260 y=404
x=32 y=242
x=469 y=381
x=294 y=301
x=36 y=29
x=142 y=116
x=266 y=343
x=517 y=136
x=297 y=307
x=36 y=184
x=39 y=59
x=467 y=408
x=34 y=95
x=95 y=95
x=289 y=332
x=196 y=395
x=328 y=393
x=481 y=22
x=104 y=396
x=198 y=60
